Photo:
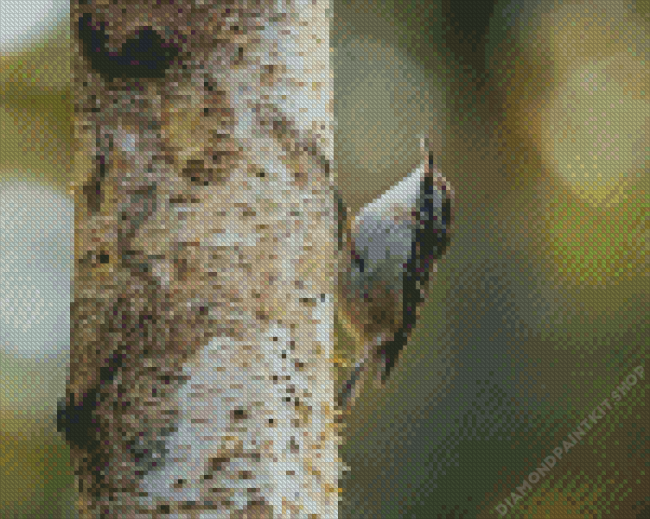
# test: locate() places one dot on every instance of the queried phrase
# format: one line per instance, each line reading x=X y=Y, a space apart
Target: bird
x=389 y=251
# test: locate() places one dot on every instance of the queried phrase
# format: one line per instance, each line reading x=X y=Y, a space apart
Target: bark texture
x=205 y=261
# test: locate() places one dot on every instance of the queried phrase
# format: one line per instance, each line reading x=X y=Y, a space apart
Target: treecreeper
x=212 y=251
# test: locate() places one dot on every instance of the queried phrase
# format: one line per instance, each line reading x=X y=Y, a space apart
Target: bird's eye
x=145 y=56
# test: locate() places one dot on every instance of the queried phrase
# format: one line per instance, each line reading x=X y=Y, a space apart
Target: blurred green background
x=541 y=116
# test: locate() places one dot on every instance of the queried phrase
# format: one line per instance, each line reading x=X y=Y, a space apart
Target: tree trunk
x=205 y=261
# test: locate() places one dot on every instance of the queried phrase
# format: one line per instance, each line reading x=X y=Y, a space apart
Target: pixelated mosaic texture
x=542 y=311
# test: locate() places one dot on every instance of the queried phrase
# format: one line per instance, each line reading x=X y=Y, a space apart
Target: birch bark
x=205 y=261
